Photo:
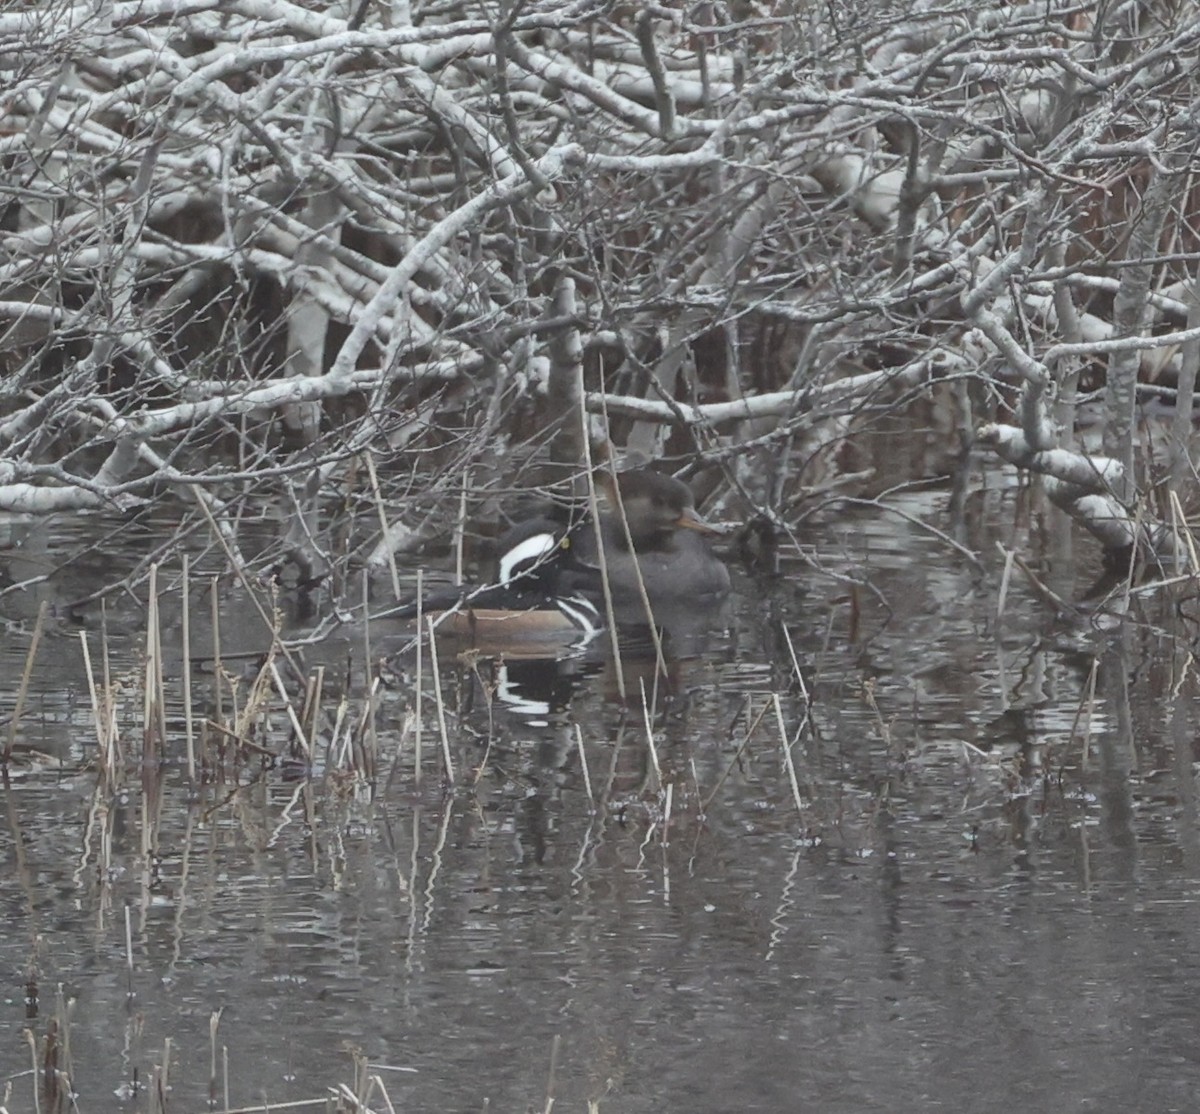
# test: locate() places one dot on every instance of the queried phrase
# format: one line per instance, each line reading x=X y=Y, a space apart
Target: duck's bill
x=690 y=520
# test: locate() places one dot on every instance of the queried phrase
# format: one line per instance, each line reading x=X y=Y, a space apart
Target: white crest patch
x=529 y=552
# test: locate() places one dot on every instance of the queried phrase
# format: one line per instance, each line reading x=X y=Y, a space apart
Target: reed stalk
x=807 y=721
x=749 y=734
x=1085 y=711
x=650 y=738
x=103 y=756
x=189 y=726
x=551 y=1078
x=23 y=689
x=289 y=707
x=65 y=1013
x=381 y=511
x=668 y=802
x=154 y=727
x=110 y=708
x=370 y=738
x=218 y=670
x=129 y=953
x=214 y=1022
x=363 y=758
x=441 y=706
x=601 y=560
x=583 y=765
x=787 y=754
x=460 y=527
x=420 y=681
x=31 y=1040
x=313 y=719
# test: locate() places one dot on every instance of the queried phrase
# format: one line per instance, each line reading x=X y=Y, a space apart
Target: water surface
x=980 y=895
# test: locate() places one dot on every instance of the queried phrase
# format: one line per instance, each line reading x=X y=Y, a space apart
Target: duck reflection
x=538 y=691
x=664 y=660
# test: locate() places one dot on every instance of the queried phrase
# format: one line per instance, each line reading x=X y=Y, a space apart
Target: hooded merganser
x=526 y=601
x=651 y=534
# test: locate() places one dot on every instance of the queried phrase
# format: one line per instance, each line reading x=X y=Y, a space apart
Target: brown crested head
x=654 y=504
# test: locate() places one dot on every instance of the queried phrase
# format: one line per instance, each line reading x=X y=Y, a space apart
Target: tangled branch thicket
x=247 y=240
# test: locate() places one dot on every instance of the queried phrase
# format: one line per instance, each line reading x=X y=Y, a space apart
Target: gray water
x=982 y=895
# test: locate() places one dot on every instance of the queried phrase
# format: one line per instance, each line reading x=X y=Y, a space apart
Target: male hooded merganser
x=652 y=538
x=526 y=601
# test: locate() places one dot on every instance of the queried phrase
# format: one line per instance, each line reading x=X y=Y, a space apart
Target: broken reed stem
x=550 y=1081
x=306 y=705
x=110 y=702
x=129 y=951
x=377 y=1084
x=65 y=1012
x=150 y=674
x=318 y=697
x=420 y=679
x=1005 y=580
x=669 y=798
x=218 y=706
x=19 y=707
x=587 y=777
x=369 y=742
x=807 y=720
x=361 y=1067
x=1088 y=708
x=737 y=754
x=460 y=527
x=104 y=854
x=160 y=681
x=145 y=841
x=293 y=719
x=1182 y=531
x=362 y=749
x=381 y=510
x=214 y=1022
x=787 y=754
x=366 y=610
x=105 y=758
x=660 y=661
x=601 y=560
x=301 y=1104
x=650 y=737
x=441 y=707
x=787 y=637
x=335 y=735
x=188 y=723
x=31 y=1040
x=164 y=1076
x=310 y=714
x=489 y=689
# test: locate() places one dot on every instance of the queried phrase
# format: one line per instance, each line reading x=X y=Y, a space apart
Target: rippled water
x=980 y=895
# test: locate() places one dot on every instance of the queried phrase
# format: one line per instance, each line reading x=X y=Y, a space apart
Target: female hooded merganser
x=651 y=537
